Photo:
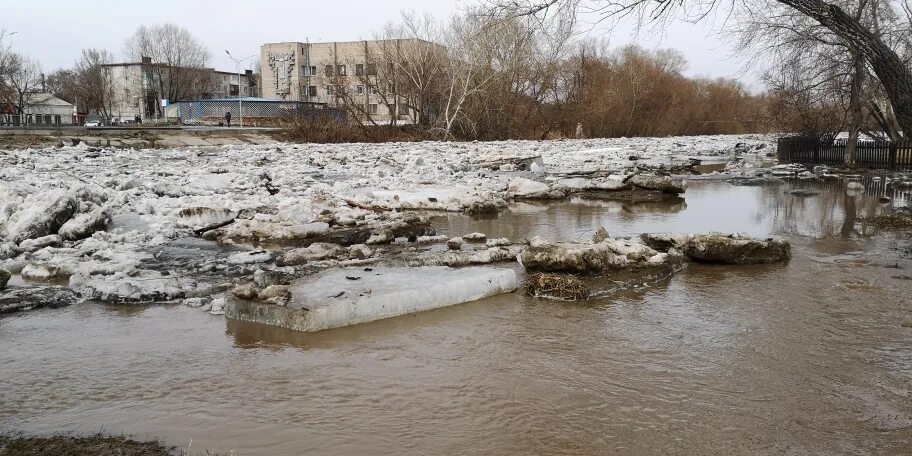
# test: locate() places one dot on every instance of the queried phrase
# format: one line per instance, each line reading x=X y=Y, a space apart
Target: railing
x=875 y=154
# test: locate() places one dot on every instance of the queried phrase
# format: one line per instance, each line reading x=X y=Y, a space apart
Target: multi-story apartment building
x=356 y=75
x=225 y=84
x=139 y=88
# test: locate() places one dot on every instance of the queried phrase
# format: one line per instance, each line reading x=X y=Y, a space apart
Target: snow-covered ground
x=94 y=217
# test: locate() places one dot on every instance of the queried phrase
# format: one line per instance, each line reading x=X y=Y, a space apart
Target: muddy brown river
x=805 y=358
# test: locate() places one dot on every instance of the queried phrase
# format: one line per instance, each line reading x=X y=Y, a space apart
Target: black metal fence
x=875 y=154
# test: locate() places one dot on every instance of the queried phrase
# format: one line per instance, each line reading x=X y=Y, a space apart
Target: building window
x=47 y=119
x=372 y=108
x=57 y=119
x=38 y=119
x=390 y=88
x=359 y=69
x=312 y=91
x=329 y=70
x=374 y=91
x=360 y=90
x=340 y=69
x=309 y=70
x=371 y=69
x=330 y=90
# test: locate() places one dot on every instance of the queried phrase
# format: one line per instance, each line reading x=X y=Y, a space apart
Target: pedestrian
x=228 y=118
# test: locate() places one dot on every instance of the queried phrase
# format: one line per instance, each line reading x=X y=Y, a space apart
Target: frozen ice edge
x=374 y=295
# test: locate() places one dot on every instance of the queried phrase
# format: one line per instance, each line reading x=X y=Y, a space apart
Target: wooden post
x=817 y=151
x=892 y=155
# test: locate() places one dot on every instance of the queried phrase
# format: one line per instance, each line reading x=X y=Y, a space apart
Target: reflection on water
x=708 y=206
x=803 y=358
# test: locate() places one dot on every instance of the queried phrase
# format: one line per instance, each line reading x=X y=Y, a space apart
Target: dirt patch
x=632 y=196
x=13 y=142
x=68 y=445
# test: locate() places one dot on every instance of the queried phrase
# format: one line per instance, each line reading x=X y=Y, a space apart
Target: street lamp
x=237 y=66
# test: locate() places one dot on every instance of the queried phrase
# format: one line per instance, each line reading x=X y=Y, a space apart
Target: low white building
x=39 y=109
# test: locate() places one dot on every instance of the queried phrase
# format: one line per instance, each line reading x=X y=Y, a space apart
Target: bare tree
x=23 y=79
x=6 y=60
x=94 y=82
x=62 y=83
x=176 y=60
x=411 y=66
x=892 y=71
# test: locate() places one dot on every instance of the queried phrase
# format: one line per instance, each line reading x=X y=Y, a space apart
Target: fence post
x=817 y=151
x=892 y=155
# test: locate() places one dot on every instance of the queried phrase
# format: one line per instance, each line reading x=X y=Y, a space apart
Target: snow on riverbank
x=135 y=200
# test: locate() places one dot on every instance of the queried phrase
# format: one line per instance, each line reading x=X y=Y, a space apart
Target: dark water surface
x=804 y=358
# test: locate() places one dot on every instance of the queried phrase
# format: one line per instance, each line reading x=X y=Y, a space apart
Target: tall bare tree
x=176 y=61
x=6 y=61
x=23 y=80
x=94 y=82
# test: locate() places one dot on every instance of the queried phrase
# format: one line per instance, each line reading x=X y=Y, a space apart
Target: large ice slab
x=349 y=296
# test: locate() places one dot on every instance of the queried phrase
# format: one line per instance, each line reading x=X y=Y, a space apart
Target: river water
x=805 y=358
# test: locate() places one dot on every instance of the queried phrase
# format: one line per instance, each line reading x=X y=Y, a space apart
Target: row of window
x=341 y=70
x=30 y=119
x=311 y=91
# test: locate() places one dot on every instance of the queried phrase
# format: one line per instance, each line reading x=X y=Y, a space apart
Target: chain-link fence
x=248 y=112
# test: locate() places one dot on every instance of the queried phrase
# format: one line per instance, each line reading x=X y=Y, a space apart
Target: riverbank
x=13 y=138
x=71 y=445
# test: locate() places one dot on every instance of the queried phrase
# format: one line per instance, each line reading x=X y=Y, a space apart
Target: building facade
x=137 y=88
x=356 y=75
x=226 y=84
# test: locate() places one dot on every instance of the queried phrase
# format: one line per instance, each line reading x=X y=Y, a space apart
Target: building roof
x=236 y=99
x=154 y=64
x=389 y=40
x=42 y=98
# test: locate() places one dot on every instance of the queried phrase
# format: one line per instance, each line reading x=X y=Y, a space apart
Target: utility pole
x=237 y=67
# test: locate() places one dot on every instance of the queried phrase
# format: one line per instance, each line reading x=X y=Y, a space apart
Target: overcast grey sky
x=54 y=31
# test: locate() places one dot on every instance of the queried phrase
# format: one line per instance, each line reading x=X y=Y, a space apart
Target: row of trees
x=511 y=70
x=838 y=64
x=498 y=78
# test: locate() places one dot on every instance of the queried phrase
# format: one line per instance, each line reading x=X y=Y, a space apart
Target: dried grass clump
x=891 y=221
x=556 y=286
x=68 y=445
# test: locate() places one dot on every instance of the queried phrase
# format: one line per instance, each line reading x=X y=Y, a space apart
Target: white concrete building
x=352 y=74
x=39 y=110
